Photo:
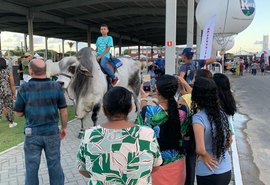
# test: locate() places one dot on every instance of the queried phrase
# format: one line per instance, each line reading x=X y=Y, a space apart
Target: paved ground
x=253 y=95
x=12 y=161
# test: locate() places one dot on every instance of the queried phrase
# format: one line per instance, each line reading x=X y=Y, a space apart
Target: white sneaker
x=11 y=125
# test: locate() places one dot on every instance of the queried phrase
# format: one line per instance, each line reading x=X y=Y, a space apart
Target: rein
x=66 y=75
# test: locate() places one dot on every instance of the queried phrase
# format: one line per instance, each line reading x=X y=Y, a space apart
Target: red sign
x=169 y=43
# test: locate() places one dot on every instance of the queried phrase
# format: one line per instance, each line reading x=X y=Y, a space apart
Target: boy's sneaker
x=11 y=125
x=115 y=81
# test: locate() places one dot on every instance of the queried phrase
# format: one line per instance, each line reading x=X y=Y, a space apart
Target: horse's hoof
x=80 y=134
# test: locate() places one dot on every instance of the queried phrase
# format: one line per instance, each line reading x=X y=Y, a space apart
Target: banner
x=207 y=39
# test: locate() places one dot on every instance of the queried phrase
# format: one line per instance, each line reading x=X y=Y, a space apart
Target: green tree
x=51 y=54
x=16 y=52
x=126 y=51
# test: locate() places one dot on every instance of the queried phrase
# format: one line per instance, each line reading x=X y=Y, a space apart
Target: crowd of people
x=185 y=134
x=247 y=65
x=172 y=141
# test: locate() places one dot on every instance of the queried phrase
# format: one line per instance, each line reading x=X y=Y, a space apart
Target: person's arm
x=184 y=86
x=105 y=51
x=209 y=161
x=182 y=74
x=154 y=147
x=12 y=85
x=84 y=173
x=144 y=96
x=183 y=70
x=19 y=105
x=19 y=114
x=209 y=61
x=64 y=119
x=154 y=169
x=81 y=161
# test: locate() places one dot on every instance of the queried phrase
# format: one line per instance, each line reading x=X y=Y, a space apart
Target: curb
x=235 y=160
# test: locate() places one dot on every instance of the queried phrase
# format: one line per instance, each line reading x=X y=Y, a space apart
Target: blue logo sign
x=247 y=7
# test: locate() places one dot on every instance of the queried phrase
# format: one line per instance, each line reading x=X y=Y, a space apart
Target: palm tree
x=70 y=46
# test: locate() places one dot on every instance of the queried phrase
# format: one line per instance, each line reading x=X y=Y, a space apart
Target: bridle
x=66 y=75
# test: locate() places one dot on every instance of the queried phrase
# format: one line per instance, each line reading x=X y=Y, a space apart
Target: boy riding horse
x=104 y=44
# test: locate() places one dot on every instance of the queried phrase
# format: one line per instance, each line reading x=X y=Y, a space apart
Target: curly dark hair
x=227 y=101
x=204 y=96
x=167 y=86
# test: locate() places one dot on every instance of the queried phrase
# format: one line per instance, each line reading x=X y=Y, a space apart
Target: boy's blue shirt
x=102 y=44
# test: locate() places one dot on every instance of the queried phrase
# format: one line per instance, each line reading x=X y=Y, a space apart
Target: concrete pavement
x=253 y=97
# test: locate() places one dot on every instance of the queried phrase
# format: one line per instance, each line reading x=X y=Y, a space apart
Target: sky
x=248 y=40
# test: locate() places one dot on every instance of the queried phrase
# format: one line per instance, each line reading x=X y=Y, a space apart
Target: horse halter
x=66 y=75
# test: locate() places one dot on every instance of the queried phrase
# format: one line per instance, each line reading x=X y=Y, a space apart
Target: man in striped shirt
x=39 y=101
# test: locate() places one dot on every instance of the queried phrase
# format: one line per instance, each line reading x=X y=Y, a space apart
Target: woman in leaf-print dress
x=118 y=152
x=7 y=92
x=164 y=118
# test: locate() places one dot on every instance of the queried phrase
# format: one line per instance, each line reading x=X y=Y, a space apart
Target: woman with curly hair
x=212 y=136
x=226 y=98
x=165 y=119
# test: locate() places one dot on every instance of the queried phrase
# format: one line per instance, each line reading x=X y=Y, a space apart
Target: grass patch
x=10 y=137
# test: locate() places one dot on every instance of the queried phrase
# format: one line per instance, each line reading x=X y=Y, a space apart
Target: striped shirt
x=39 y=100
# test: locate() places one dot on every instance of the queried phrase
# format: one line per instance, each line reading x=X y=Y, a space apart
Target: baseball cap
x=27 y=54
x=188 y=52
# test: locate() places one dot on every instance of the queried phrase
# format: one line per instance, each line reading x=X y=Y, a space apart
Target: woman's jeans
x=33 y=146
x=254 y=71
x=104 y=64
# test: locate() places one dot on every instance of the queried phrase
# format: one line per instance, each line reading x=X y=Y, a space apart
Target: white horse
x=88 y=84
x=53 y=68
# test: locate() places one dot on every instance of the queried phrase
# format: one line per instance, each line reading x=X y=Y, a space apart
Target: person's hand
x=209 y=161
x=14 y=97
x=98 y=58
x=143 y=93
x=63 y=133
x=230 y=140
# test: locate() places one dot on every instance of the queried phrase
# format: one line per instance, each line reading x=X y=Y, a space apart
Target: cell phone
x=147 y=86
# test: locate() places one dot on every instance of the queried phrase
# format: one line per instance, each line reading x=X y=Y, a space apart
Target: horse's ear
x=83 y=68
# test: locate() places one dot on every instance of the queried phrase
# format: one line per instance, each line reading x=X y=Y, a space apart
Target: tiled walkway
x=12 y=161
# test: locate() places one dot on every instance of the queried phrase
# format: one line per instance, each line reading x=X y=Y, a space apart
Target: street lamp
x=70 y=46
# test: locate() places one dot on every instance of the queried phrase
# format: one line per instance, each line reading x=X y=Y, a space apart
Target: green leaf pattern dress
x=119 y=156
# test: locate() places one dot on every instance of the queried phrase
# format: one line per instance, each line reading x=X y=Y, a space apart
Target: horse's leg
x=81 y=132
x=135 y=85
x=95 y=113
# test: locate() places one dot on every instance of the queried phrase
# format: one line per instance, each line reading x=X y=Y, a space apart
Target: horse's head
x=67 y=69
x=87 y=58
